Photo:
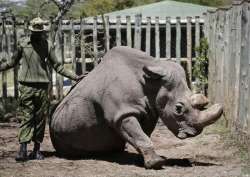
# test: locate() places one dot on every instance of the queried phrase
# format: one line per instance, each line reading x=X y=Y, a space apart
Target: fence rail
x=80 y=42
x=228 y=33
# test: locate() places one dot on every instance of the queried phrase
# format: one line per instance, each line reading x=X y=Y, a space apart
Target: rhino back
x=116 y=78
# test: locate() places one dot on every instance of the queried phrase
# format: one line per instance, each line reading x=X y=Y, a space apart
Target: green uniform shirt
x=34 y=60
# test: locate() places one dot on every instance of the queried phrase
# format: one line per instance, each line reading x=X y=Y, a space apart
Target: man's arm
x=13 y=61
x=59 y=68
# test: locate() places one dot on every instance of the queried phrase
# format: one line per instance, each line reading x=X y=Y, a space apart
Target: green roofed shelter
x=162 y=9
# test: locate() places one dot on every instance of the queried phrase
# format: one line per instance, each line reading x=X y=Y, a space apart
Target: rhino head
x=183 y=112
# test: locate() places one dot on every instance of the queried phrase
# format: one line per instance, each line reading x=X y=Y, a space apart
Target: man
x=34 y=55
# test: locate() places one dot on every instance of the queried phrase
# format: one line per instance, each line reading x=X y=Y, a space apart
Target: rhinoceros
x=121 y=100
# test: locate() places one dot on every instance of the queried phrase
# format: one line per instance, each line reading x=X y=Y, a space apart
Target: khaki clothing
x=34 y=60
x=34 y=77
x=33 y=105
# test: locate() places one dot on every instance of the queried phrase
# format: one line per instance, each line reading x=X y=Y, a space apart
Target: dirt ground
x=203 y=156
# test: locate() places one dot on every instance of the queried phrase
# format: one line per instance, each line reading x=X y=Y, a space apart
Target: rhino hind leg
x=132 y=132
x=84 y=142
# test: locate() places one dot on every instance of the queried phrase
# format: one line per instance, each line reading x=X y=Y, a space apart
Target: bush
x=200 y=69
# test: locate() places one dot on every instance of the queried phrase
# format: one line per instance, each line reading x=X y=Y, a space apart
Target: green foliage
x=97 y=7
x=200 y=69
x=123 y=4
x=92 y=8
x=31 y=8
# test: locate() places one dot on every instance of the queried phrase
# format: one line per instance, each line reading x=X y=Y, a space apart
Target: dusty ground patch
x=202 y=156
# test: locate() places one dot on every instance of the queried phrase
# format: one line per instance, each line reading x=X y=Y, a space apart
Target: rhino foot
x=155 y=163
x=152 y=160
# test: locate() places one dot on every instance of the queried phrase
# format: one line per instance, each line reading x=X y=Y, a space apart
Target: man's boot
x=22 y=154
x=36 y=154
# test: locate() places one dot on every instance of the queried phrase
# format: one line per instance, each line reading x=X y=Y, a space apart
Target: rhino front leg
x=132 y=132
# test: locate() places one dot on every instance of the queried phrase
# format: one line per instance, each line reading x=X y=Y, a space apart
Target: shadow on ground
x=130 y=158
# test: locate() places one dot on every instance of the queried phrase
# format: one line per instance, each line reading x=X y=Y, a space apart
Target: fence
x=228 y=32
x=162 y=38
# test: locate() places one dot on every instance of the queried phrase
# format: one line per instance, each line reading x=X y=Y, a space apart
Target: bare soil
x=206 y=155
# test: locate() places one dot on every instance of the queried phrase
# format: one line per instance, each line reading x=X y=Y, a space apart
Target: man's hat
x=37 y=24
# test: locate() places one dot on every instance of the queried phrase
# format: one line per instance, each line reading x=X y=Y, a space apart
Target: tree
x=92 y=8
x=31 y=8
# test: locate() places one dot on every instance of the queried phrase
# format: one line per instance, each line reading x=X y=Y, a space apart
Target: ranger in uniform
x=34 y=54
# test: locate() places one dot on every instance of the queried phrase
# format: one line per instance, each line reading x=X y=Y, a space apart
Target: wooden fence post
x=107 y=39
x=226 y=64
x=26 y=26
x=51 y=33
x=82 y=44
x=73 y=45
x=210 y=43
x=148 y=36
x=66 y=44
x=238 y=11
x=60 y=53
x=220 y=56
x=178 y=40
x=95 y=50
x=231 y=67
x=16 y=67
x=205 y=25
x=157 y=38
x=248 y=95
x=168 y=37
x=216 y=50
x=137 y=37
x=197 y=33
x=118 y=31
x=129 y=35
x=244 y=68
x=189 y=50
x=210 y=36
x=5 y=50
x=197 y=38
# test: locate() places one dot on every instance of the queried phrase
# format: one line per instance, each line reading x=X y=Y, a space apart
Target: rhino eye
x=179 y=108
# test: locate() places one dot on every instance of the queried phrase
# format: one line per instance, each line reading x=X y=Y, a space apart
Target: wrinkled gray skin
x=121 y=100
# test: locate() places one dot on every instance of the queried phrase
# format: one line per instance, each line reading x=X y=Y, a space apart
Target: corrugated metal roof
x=163 y=9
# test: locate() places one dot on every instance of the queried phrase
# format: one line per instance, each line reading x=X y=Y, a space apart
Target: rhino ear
x=154 y=72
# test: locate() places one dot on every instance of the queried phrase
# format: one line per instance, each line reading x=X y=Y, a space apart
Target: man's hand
x=80 y=77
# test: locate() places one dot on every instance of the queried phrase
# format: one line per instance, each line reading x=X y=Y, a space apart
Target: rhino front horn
x=210 y=115
x=199 y=101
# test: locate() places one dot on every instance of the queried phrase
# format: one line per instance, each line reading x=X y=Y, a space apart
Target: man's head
x=37 y=26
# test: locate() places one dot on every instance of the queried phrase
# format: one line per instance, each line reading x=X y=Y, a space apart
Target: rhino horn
x=209 y=116
x=199 y=101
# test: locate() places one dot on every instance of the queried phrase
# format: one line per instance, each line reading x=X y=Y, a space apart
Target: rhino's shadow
x=130 y=158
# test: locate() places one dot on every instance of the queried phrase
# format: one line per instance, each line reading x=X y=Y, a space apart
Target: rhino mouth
x=186 y=131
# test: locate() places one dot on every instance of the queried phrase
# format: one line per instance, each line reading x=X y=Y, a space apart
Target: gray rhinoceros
x=121 y=100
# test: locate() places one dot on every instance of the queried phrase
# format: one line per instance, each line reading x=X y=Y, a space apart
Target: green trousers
x=33 y=108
